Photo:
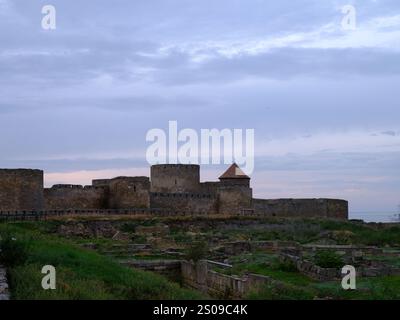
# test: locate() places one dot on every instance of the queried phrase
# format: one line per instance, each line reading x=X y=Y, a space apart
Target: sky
x=324 y=101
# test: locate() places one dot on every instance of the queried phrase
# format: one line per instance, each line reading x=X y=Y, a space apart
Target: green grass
x=293 y=285
x=81 y=274
x=379 y=288
x=376 y=288
x=267 y=265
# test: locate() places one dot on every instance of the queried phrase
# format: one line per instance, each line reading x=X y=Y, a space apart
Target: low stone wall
x=45 y=214
x=238 y=247
x=348 y=252
x=200 y=277
x=169 y=268
x=310 y=269
x=4 y=294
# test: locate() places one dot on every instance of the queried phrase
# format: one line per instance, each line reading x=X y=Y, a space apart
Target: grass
x=378 y=288
x=267 y=265
x=294 y=285
x=81 y=274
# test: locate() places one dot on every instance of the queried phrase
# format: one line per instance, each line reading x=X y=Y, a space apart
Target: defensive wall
x=21 y=189
x=172 y=188
x=175 y=178
x=329 y=208
x=200 y=203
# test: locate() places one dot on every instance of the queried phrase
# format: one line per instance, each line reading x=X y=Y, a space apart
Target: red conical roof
x=234 y=172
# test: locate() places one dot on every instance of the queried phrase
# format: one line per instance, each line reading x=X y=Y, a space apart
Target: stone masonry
x=175 y=188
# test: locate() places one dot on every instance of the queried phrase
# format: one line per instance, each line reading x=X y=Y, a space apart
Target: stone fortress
x=171 y=189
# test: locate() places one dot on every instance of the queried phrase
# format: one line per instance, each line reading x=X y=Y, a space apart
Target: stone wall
x=209 y=187
x=201 y=277
x=64 y=197
x=328 y=208
x=169 y=268
x=4 y=294
x=232 y=199
x=129 y=192
x=175 y=178
x=101 y=182
x=191 y=203
x=310 y=269
x=21 y=189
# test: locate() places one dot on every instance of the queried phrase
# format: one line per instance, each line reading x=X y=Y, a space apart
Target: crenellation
x=172 y=189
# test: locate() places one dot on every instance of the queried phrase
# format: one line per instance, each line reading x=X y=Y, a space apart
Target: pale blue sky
x=324 y=102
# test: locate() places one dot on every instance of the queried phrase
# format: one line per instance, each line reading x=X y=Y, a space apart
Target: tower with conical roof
x=234 y=176
x=234 y=192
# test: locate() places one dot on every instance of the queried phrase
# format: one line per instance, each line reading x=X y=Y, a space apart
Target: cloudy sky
x=78 y=101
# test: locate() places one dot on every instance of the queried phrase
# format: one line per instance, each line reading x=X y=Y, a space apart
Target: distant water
x=375 y=216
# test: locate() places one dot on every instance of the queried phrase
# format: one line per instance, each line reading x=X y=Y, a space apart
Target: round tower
x=175 y=178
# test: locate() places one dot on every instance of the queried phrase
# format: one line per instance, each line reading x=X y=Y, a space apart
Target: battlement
x=183 y=195
x=178 y=166
x=77 y=186
x=172 y=189
x=21 y=171
x=67 y=186
x=133 y=179
x=100 y=182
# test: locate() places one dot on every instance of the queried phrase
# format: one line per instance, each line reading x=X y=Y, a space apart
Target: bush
x=286 y=266
x=328 y=259
x=197 y=251
x=81 y=273
x=13 y=252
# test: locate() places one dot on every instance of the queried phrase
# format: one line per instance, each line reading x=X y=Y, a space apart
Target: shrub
x=287 y=266
x=13 y=252
x=197 y=251
x=328 y=259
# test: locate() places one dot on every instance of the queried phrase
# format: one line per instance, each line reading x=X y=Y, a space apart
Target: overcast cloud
x=324 y=102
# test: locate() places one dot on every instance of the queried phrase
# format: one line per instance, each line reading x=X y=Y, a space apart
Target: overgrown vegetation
x=328 y=259
x=13 y=251
x=81 y=274
x=197 y=251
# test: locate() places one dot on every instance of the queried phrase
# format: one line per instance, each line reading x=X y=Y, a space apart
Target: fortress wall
x=185 y=202
x=328 y=208
x=337 y=208
x=209 y=187
x=129 y=192
x=101 y=182
x=175 y=178
x=233 y=199
x=62 y=197
x=21 y=189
